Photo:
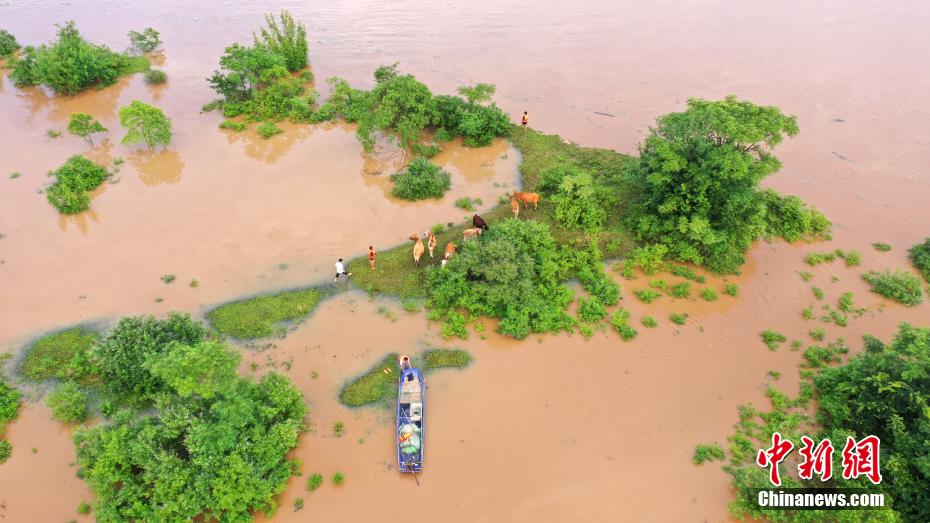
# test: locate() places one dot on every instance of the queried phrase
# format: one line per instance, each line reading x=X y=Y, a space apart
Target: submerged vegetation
x=900 y=286
x=73 y=181
x=8 y=43
x=920 y=257
x=445 y=359
x=58 y=355
x=84 y=125
x=145 y=125
x=9 y=409
x=71 y=64
x=375 y=386
x=422 y=179
x=265 y=315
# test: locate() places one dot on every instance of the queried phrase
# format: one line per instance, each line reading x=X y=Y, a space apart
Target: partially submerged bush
x=234 y=125
x=620 y=321
x=852 y=258
x=267 y=129
x=155 y=77
x=287 y=40
x=145 y=42
x=816 y=258
x=9 y=404
x=772 y=339
x=709 y=294
x=920 y=257
x=648 y=321
x=61 y=355
x=678 y=319
x=8 y=43
x=145 y=124
x=422 y=179
x=881 y=246
x=681 y=290
x=591 y=310
x=444 y=359
x=73 y=181
x=900 y=286
x=649 y=258
x=68 y=402
x=647 y=295
x=731 y=289
x=704 y=452
x=84 y=125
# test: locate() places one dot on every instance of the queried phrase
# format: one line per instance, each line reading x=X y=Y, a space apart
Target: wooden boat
x=411 y=393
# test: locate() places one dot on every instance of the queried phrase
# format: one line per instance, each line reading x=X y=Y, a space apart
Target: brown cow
x=431 y=243
x=469 y=233
x=417 y=248
x=527 y=198
x=515 y=207
x=450 y=251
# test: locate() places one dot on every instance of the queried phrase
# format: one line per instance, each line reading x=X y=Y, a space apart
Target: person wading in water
x=371 y=257
x=340 y=270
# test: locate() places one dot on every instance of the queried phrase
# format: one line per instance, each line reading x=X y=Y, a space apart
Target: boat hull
x=411 y=433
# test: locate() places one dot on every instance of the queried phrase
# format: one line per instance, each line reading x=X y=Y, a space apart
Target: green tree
x=145 y=125
x=145 y=42
x=477 y=94
x=244 y=69
x=205 y=369
x=68 y=402
x=287 y=40
x=580 y=201
x=73 y=180
x=700 y=171
x=422 y=179
x=8 y=43
x=84 y=125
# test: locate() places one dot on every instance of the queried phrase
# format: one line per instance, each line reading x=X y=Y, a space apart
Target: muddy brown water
x=552 y=428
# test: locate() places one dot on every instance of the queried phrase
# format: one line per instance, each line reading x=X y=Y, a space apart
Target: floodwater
x=553 y=427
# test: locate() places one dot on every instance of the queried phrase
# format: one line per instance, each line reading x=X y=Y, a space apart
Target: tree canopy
x=145 y=124
x=700 y=171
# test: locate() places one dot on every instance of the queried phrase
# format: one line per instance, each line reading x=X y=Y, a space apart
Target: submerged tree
x=84 y=125
x=145 y=42
x=700 y=170
x=287 y=40
x=8 y=43
x=145 y=125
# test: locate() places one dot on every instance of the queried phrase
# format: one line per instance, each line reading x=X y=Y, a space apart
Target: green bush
x=649 y=258
x=581 y=202
x=84 y=125
x=710 y=216
x=8 y=43
x=704 y=452
x=620 y=321
x=426 y=150
x=287 y=40
x=731 y=289
x=684 y=272
x=845 y=303
x=62 y=355
x=709 y=294
x=338 y=478
x=267 y=130
x=648 y=321
x=920 y=257
x=9 y=403
x=145 y=42
x=84 y=508
x=145 y=125
x=6 y=449
x=647 y=295
x=422 y=179
x=852 y=258
x=678 y=319
x=900 y=286
x=808 y=312
x=454 y=326
x=681 y=290
x=772 y=339
x=816 y=258
x=155 y=77
x=73 y=180
x=234 y=125
x=818 y=292
x=68 y=402
x=881 y=246
x=817 y=334
x=314 y=482
x=71 y=64
x=264 y=315
x=591 y=310
x=511 y=273
x=465 y=203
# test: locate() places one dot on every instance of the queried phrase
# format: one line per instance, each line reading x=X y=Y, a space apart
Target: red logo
x=860 y=458
x=774 y=455
x=819 y=459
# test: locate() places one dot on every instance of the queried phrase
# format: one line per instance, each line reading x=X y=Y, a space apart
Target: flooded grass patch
x=900 y=286
x=375 y=386
x=265 y=315
x=51 y=356
x=445 y=359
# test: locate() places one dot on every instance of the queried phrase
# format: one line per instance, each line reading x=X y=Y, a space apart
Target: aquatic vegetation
x=71 y=64
x=731 y=289
x=68 y=402
x=900 y=286
x=658 y=283
x=581 y=200
x=585 y=263
x=704 y=452
x=774 y=374
x=648 y=321
x=213 y=427
x=485 y=279
x=920 y=257
x=426 y=150
x=84 y=125
x=709 y=294
x=678 y=319
x=60 y=355
x=817 y=334
x=377 y=385
x=620 y=321
x=466 y=203
x=314 y=482
x=287 y=40
x=806 y=276
x=298 y=504
x=145 y=42
x=8 y=43
x=234 y=125
x=84 y=507
x=591 y=310
x=155 y=77
x=454 y=326
x=852 y=258
x=445 y=359
x=681 y=290
x=738 y=137
x=264 y=315
x=772 y=339
x=168 y=278
x=684 y=272
x=268 y=129
x=338 y=478
x=73 y=181
x=845 y=302
x=647 y=295
x=420 y=180
x=808 y=312
x=818 y=292
x=839 y=318
x=338 y=429
x=881 y=246
x=9 y=403
x=816 y=258
x=649 y=258
x=145 y=125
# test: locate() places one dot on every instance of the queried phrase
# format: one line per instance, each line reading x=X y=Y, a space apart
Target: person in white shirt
x=340 y=270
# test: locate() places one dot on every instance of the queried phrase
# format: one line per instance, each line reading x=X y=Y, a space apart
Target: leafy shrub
x=145 y=124
x=314 y=482
x=816 y=258
x=817 y=334
x=681 y=290
x=68 y=402
x=709 y=294
x=204 y=369
x=445 y=359
x=267 y=130
x=155 y=77
x=657 y=283
x=8 y=43
x=510 y=273
x=620 y=321
x=580 y=201
x=704 y=452
x=454 y=325
x=422 y=179
x=731 y=289
x=711 y=216
x=808 y=312
x=6 y=449
x=772 y=339
x=806 y=276
x=818 y=292
x=121 y=355
x=168 y=278
x=684 y=272
x=465 y=203
x=426 y=150
x=84 y=508
x=62 y=355
x=585 y=263
x=900 y=286
x=244 y=70
x=649 y=258
x=591 y=310
x=73 y=180
x=145 y=42
x=84 y=125
x=648 y=321
x=647 y=295
x=9 y=404
x=678 y=319
x=920 y=257
x=881 y=246
x=852 y=258
x=234 y=125
x=338 y=478
x=287 y=40
x=845 y=302
x=71 y=64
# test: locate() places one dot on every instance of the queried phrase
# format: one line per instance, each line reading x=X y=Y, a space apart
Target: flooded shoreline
x=246 y=216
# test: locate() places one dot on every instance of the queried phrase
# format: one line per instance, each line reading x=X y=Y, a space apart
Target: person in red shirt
x=526 y=120
x=371 y=257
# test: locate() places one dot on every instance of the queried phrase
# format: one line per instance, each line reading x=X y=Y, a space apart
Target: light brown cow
x=431 y=243
x=527 y=198
x=417 y=248
x=450 y=250
x=515 y=207
x=468 y=233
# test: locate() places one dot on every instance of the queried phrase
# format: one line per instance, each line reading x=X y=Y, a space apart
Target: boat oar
x=410 y=466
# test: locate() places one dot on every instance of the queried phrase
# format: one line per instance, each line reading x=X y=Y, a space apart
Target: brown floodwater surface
x=552 y=428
